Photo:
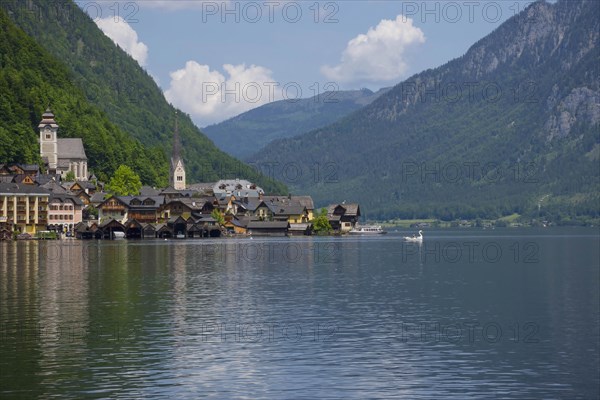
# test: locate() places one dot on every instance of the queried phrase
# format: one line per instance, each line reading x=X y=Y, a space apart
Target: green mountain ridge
x=30 y=80
x=511 y=126
x=247 y=133
x=113 y=82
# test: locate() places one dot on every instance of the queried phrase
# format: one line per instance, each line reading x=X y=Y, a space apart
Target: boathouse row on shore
x=170 y=216
x=30 y=208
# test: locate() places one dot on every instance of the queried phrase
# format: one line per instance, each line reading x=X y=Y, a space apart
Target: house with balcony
x=343 y=217
x=144 y=210
x=287 y=208
x=253 y=207
x=24 y=207
x=189 y=206
x=113 y=208
x=65 y=211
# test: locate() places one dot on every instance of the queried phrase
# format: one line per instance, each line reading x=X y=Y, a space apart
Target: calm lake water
x=472 y=314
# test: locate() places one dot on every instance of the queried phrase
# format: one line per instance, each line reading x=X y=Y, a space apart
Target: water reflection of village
x=62 y=304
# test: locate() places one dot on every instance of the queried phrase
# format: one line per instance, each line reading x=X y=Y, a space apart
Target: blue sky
x=217 y=59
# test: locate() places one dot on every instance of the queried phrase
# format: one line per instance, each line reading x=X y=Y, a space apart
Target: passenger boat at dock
x=367 y=230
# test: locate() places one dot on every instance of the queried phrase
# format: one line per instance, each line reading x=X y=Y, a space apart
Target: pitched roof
x=267 y=224
x=85 y=184
x=170 y=190
x=202 y=187
x=207 y=219
x=148 y=191
x=82 y=193
x=120 y=199
x=133 y=222
x=127 y=200
x=306 y=201
x=15 y=188
x=19 y=178
x=194 y=203
x=148 y=227
x=71 y=148
x=111 y=222
x=42 y=179
x=286 y=209
x=63 y=197
x=97 y=197
x=82 y=227
x=251 y=205
x=30 y=167
x=241 y=222
x=351 y=209
x=54 y=187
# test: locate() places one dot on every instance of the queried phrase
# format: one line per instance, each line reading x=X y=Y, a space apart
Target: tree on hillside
x=125 y=182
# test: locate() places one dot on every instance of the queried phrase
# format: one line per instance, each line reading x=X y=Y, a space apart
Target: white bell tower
x=48 y=140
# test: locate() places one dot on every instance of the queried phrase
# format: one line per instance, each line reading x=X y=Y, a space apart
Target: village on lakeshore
x=63 y=199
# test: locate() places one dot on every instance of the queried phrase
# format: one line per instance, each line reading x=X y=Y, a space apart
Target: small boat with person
x=367 y=230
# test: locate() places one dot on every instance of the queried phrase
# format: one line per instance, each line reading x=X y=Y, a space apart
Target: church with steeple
x=61 y=155
x=177 y=170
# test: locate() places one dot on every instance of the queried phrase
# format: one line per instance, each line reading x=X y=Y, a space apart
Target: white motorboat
x=367 y=230
x=118 y=235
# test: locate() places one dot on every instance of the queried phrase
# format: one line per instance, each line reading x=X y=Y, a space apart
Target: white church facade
x=61 y=155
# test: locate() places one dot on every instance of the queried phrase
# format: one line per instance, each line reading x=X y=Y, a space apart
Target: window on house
x=179 y=178
x=48 y=136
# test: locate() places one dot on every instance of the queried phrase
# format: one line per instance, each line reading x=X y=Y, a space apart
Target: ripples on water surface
x=470 y=314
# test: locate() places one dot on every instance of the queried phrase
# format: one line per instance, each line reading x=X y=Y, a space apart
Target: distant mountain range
x=510 y=127
x=77 y=69
x=249 y=132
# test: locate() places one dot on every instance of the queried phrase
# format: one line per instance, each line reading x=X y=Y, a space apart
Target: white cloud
x=378 y=55
x=120 y=32
x=209 y=97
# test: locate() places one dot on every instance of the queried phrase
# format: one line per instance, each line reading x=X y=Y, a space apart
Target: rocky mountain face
x=512 y=121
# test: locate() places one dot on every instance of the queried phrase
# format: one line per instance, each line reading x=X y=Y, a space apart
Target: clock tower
x=48 y=140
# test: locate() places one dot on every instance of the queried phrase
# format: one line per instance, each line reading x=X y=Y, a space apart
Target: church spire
x=177 y=172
